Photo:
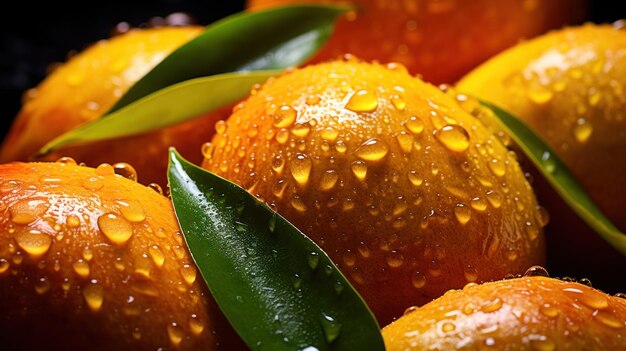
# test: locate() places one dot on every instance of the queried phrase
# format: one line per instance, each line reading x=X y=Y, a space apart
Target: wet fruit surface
x=88 y=251
x=408 y=194
x=424 y=33
x=87 y=86
x=529 y=313
x=568 y=87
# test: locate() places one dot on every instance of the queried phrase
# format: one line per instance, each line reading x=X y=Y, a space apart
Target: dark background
x=33 y=35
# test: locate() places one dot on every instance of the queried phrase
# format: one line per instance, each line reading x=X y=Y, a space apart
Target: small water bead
x=539 y=93
x=453 y=137
x=414 y=178
x=105 y=169
x=42 y=286
x=531 y=230
x=608 y=319
x=479 y=204
x=395 y=259
x=143 y=266
x=329 y=134
x=93 y=183
x=543 y=217
x=72 y=221
x=282 y=136
x=359 y=169
x=372 y=150
x=492 y=306
x=462 y=213
x=285 y=116
x=93 y=294
x=195 y=325
x=398 y=102
x=27 y=211
x=300 y=130
x=125 y=170
x=549 y=310
x=131 y=210
x=175 y=334
x=447 y=327
x=405 y=141
x=582 y=130
x=81 y=268
x=4 y=265
x=66 y=161
x=536 y=271
x=117 y=229
x=332 y=328
x=312 y=100
x=362 y=101
x=585 y=281
x=543 y=343
x=349 y=258
x=414 y=124
x=220 y=127
x=156 y=187
x=189 y=273
x=341 y=147
x=494 y=198
x=87 y=254
x=157 y=255
x=300 y=167
x=418 y=280
x=297 y=204
x=328 y=180
x=548 y=162
x=497 y=167
x=34 y=242
x=470 y=273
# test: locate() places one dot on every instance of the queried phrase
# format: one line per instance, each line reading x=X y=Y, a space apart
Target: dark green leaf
x=271 y=39
x=166 y=107
x=278 y=289
x=559 y=176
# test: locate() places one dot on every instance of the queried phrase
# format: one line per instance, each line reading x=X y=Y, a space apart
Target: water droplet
x=93 y=183
x=220 y=127
x=349 y=258
x=492 y=306
x=313 y=260
x=27 y=211
x=539 y=93
x=418 y=280
x=543 y=217
x=470 y=273
x=543 y=343
x=405 y=141
x=42 y=286
x=328 y=180
x=271 y=224
x=188 y=272
x=207 y=150
x=608 y=319
x=548 y=162
x=372 y=150
x=462 y=213
x=301 y=169
x=332 y=328
x=398 y=102
x=447 y=327
x=66 y=161
x=33 y=242
x=175 y=334
x=414 y=178
x=536 y=271
x=143 y=266
x=312 y=100
x=414 y=124
x=94 y=295
x=131 y=210
x=115 y=228
x=4 y=265
x=494 y=198
x=125 y=170
x=329 y=134
x=395 y=259
x=453 y=137
x=362 y=101
x=156 y=187
x=549 y=310
x=497 y=167
x=105 y=169
x=285 y=116
x=297 y=204
x=157 y=255
x=195 y=325
x=81 y=268
x=582 y=130
x=300 y=130
x=359 y=169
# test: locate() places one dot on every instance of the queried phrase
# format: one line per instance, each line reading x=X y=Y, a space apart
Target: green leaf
x=169 y=106
x=277 y=288
x=271 y=39
x=172 y=93
x=558 y=175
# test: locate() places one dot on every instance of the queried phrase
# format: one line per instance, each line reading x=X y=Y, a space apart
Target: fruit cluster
x=416 y=200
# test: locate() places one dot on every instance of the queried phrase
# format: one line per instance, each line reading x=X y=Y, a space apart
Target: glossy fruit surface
x=439 y=39
x=529 y=313
x=407 y=193
x=569 y=87
x=90 y=260
x=85 y=87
